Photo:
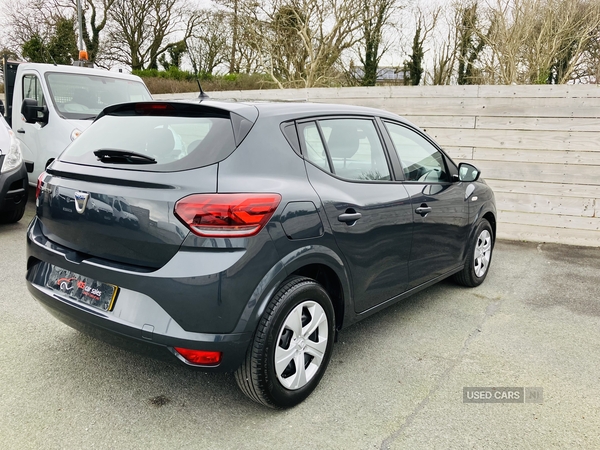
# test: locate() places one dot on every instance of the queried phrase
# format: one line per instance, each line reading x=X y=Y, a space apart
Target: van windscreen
x=83 y=96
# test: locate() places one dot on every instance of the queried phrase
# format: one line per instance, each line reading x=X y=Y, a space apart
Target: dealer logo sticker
x=81 y=199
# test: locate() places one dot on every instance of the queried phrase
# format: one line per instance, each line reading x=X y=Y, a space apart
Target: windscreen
x=81 y=96
x=175 y=143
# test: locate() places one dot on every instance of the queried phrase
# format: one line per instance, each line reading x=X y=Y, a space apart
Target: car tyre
x=291 y=346
x=13 y=216
x=479 y=256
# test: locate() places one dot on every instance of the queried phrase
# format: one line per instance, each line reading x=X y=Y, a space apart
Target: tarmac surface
x=395 y=379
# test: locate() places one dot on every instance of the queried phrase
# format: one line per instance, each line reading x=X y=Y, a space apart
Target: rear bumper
x=137 y=322
x=14 y=189
x=141 y=340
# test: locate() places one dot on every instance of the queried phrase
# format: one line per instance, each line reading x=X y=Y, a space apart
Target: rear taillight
x=38 y=188
x=226 y=215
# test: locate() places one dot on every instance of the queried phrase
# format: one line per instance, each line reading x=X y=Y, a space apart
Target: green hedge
x=176 y=80
x=183 y=75
x=172 y=74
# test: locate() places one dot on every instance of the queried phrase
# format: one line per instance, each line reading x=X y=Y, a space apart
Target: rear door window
x=349 y=148
x=315 y=150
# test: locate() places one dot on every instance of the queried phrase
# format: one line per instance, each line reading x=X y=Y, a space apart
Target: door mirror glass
x=34 y=113
x=1 y=108
x=468 y=172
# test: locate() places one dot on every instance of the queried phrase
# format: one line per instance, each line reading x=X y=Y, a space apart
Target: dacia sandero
x=243 y=237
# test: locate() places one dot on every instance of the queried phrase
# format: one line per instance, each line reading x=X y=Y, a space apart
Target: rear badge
x=81 y=199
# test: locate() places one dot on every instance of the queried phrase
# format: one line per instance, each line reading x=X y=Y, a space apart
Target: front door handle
x=21 y=130
x=349 y=217
x=423 y=210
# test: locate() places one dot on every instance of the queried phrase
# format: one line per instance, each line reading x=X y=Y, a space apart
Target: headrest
x=343 y=141
x=161 y=141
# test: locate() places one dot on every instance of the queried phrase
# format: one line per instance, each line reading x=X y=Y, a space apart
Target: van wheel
x=14 y=216
x=479 y=256
x=291 y=347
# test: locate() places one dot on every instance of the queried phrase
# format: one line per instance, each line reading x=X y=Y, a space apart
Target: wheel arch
x=491 y=218
x=319 y=263
x=329 y=280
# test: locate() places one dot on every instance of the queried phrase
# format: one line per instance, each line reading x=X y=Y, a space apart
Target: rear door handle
x=349 y=217
x=21 y=130
x=423 y=210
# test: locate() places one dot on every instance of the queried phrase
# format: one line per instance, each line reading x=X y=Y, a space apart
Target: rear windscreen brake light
x=152 y=108
x=226 y=215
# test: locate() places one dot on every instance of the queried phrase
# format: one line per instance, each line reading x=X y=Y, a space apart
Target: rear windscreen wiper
x=107 y=155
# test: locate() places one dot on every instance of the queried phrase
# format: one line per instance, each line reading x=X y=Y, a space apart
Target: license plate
x=82 y=289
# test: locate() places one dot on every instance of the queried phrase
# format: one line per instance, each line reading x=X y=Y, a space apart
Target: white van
x=50 y=105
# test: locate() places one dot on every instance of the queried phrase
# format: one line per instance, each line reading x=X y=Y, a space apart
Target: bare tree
x=95 y=14
x=589 y=71
x=322 y=29
x=208 y=46
x=25 y=19
x=445 y=46
x=95 y=17
x=538 y=41
x=470 y=41
x=142 y=30
x=425 y=24
x=235 y=21
x=376 y=15
x=574 y=24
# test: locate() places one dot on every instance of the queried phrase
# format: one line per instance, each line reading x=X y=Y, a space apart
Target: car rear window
x=176 y=143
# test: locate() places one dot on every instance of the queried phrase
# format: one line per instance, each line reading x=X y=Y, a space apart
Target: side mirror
x=1 y=108
x=468 y=172
x=34 y=113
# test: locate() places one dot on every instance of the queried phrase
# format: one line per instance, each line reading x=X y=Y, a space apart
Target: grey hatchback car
x=242 y=237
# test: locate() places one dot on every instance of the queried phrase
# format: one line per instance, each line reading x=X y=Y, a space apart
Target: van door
x=31 y=135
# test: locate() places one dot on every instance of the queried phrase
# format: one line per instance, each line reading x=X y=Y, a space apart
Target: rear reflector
x=226 y=215
x=202 y=357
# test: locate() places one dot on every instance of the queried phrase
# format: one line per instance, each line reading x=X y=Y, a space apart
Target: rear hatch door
x=112 y=192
